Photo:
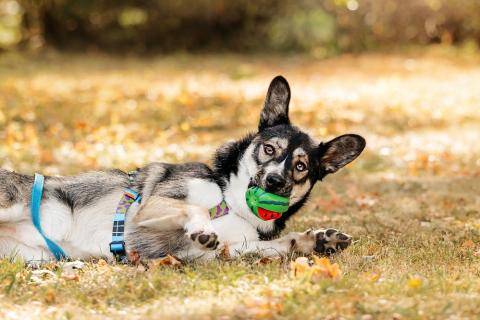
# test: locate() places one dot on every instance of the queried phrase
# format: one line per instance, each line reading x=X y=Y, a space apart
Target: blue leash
x=37 y=191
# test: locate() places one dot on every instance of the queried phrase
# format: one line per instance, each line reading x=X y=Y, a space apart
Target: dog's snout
x=274 y=182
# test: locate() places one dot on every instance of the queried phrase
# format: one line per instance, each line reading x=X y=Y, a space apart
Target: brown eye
x=300 y=166
x=268 y=149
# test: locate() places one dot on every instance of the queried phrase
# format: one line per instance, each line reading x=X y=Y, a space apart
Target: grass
x=411 y=200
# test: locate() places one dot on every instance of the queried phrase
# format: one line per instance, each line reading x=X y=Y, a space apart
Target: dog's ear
x=339 y=152
x=275 y=110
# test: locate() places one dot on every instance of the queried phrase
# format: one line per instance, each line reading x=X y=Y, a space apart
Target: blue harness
x=117 y=246
x=37 y=191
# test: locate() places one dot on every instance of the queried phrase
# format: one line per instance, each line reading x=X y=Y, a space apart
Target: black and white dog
x=173 y=217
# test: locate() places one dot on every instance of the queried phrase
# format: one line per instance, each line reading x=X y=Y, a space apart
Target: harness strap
x=219 y=210
x=37 y=191
x=117 y=246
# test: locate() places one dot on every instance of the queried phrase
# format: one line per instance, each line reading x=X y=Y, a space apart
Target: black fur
x=275 y=111
x=227 y=157
x=85 y=189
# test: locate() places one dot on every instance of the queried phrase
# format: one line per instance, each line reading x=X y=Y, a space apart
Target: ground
x=411 y=200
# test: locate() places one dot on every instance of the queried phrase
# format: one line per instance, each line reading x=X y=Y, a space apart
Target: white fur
x=274 y=167
x=85 y=234
x=235 y=193
x=90 y=232
x=19 y=237
x=12 y=214
x=203 y=193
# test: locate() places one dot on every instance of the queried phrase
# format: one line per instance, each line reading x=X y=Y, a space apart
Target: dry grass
x=411 y=200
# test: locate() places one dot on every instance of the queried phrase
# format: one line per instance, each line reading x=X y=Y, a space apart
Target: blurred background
x=87 y=84
x=319 y=27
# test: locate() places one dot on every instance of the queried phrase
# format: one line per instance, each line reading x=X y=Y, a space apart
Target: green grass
x=411 y=201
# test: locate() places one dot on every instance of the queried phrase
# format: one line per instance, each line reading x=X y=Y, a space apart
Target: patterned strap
x=117 y=246
x=219 y=210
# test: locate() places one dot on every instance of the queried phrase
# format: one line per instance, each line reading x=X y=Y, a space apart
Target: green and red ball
x=266 y=205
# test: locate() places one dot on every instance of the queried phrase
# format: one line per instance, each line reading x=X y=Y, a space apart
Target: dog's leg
x=166 y=214
x=322 y=241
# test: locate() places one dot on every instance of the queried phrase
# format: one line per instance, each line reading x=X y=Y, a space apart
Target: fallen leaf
x=169 y=261
x=320 y=268
x=225 y=252
x=323 y=268
x=266 y=260
x=50 y=296
x=134 y=257
x=468 y=244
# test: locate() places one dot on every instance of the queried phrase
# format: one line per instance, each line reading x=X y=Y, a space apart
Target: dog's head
x=288 y=161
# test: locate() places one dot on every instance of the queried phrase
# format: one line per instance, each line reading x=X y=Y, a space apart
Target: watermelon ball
x=266 y=205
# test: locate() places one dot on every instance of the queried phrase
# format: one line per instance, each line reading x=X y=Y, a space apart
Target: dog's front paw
x=204 y=239
x=329 y=241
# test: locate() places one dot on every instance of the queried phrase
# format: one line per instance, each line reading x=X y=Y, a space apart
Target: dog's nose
x=274 y=182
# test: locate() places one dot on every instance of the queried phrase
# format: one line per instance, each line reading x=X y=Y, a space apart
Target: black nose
x=274 y=182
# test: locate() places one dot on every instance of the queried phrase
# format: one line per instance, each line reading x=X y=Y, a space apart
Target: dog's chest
x=230 y=227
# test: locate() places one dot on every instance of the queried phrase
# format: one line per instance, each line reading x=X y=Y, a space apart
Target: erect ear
x=340 y=151
x=275 y=110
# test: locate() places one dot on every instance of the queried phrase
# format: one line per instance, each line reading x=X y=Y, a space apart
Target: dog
x=174 y=214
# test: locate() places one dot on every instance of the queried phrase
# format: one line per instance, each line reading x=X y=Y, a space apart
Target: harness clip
x=118 y=248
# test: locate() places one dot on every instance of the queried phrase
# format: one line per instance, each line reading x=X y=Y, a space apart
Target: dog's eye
x=268 y=149
x=300 y=166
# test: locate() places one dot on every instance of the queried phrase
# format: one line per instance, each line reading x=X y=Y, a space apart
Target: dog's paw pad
x=330 y=241
x=207 y=240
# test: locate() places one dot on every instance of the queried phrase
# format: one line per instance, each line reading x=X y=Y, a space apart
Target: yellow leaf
x=414 y=282
x=372 y=277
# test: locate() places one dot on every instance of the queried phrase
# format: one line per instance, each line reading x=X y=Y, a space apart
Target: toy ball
x=266 y=205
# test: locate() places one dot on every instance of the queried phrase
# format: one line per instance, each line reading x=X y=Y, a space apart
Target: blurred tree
x=321 y=27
